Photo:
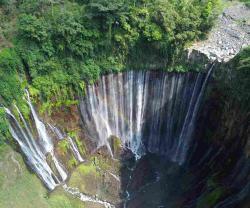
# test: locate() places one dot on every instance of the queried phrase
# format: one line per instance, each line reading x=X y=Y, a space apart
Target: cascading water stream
x=73 y=145
x=35 y=157
x=187 y=130
x=57 y=132
x=83 y=197
x=75 y=150
x=46 y=141
x=148 y=110
x=35 y=149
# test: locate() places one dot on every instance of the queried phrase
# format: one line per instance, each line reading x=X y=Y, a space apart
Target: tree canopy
x=59 y=45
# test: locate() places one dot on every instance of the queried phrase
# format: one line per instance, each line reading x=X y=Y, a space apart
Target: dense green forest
x=60 y=45
x=55 y=48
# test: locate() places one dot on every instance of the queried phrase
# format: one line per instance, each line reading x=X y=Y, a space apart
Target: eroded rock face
x=230 y=34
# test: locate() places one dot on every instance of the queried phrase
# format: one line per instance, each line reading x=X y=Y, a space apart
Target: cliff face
x=221 y=123
x=223 y=120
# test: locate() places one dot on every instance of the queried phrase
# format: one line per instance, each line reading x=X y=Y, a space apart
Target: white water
x=85 y=198
x=148 y=111
x=57 y=132
x=45 y=140
x=73 y=146
x=115 y=176
x=35 y=149
x=75 y=150
x=35 y=157
x=187 y=129
x=42 y=133
x=59 y=167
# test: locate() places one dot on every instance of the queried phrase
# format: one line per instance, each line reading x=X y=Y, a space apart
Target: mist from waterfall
x=148 y=110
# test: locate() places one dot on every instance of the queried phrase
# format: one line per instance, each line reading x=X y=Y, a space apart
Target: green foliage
x=209 y=11
x=80 y=143
x=72 y=162
x=10 y=86
x=247 y=2
x=89 y=71
x=87 y=169
x=60 y=201
x=234 y=81
x=81 y=146
x=61 y=44
x=33 y=28
x=242 y=60
x=72 y=134
x=63 y=146
x=36 y=7
x=8 y=6
x=4 y=127
x=240 y=81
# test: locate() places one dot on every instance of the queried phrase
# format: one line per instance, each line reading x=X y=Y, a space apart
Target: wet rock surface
x=230 y=34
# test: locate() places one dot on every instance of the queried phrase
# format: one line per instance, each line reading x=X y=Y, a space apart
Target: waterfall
x=75 y=150
x=42 y=133
x=61 y=135
x=57 y=132
x=35 y=157
x=37 y=148
x=148 y=110
x=45 y=140
x=188 y=126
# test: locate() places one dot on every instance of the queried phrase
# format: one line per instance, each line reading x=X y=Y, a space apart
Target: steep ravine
x=142 y=119
x=142 y=139
x=162 y=156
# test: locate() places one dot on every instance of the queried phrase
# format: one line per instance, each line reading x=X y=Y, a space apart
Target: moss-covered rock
x=116 y=146
x=99 y=177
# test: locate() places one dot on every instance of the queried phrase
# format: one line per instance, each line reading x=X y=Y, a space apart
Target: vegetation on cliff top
x=236 y=83
x=59 y=45
x=247 y=2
